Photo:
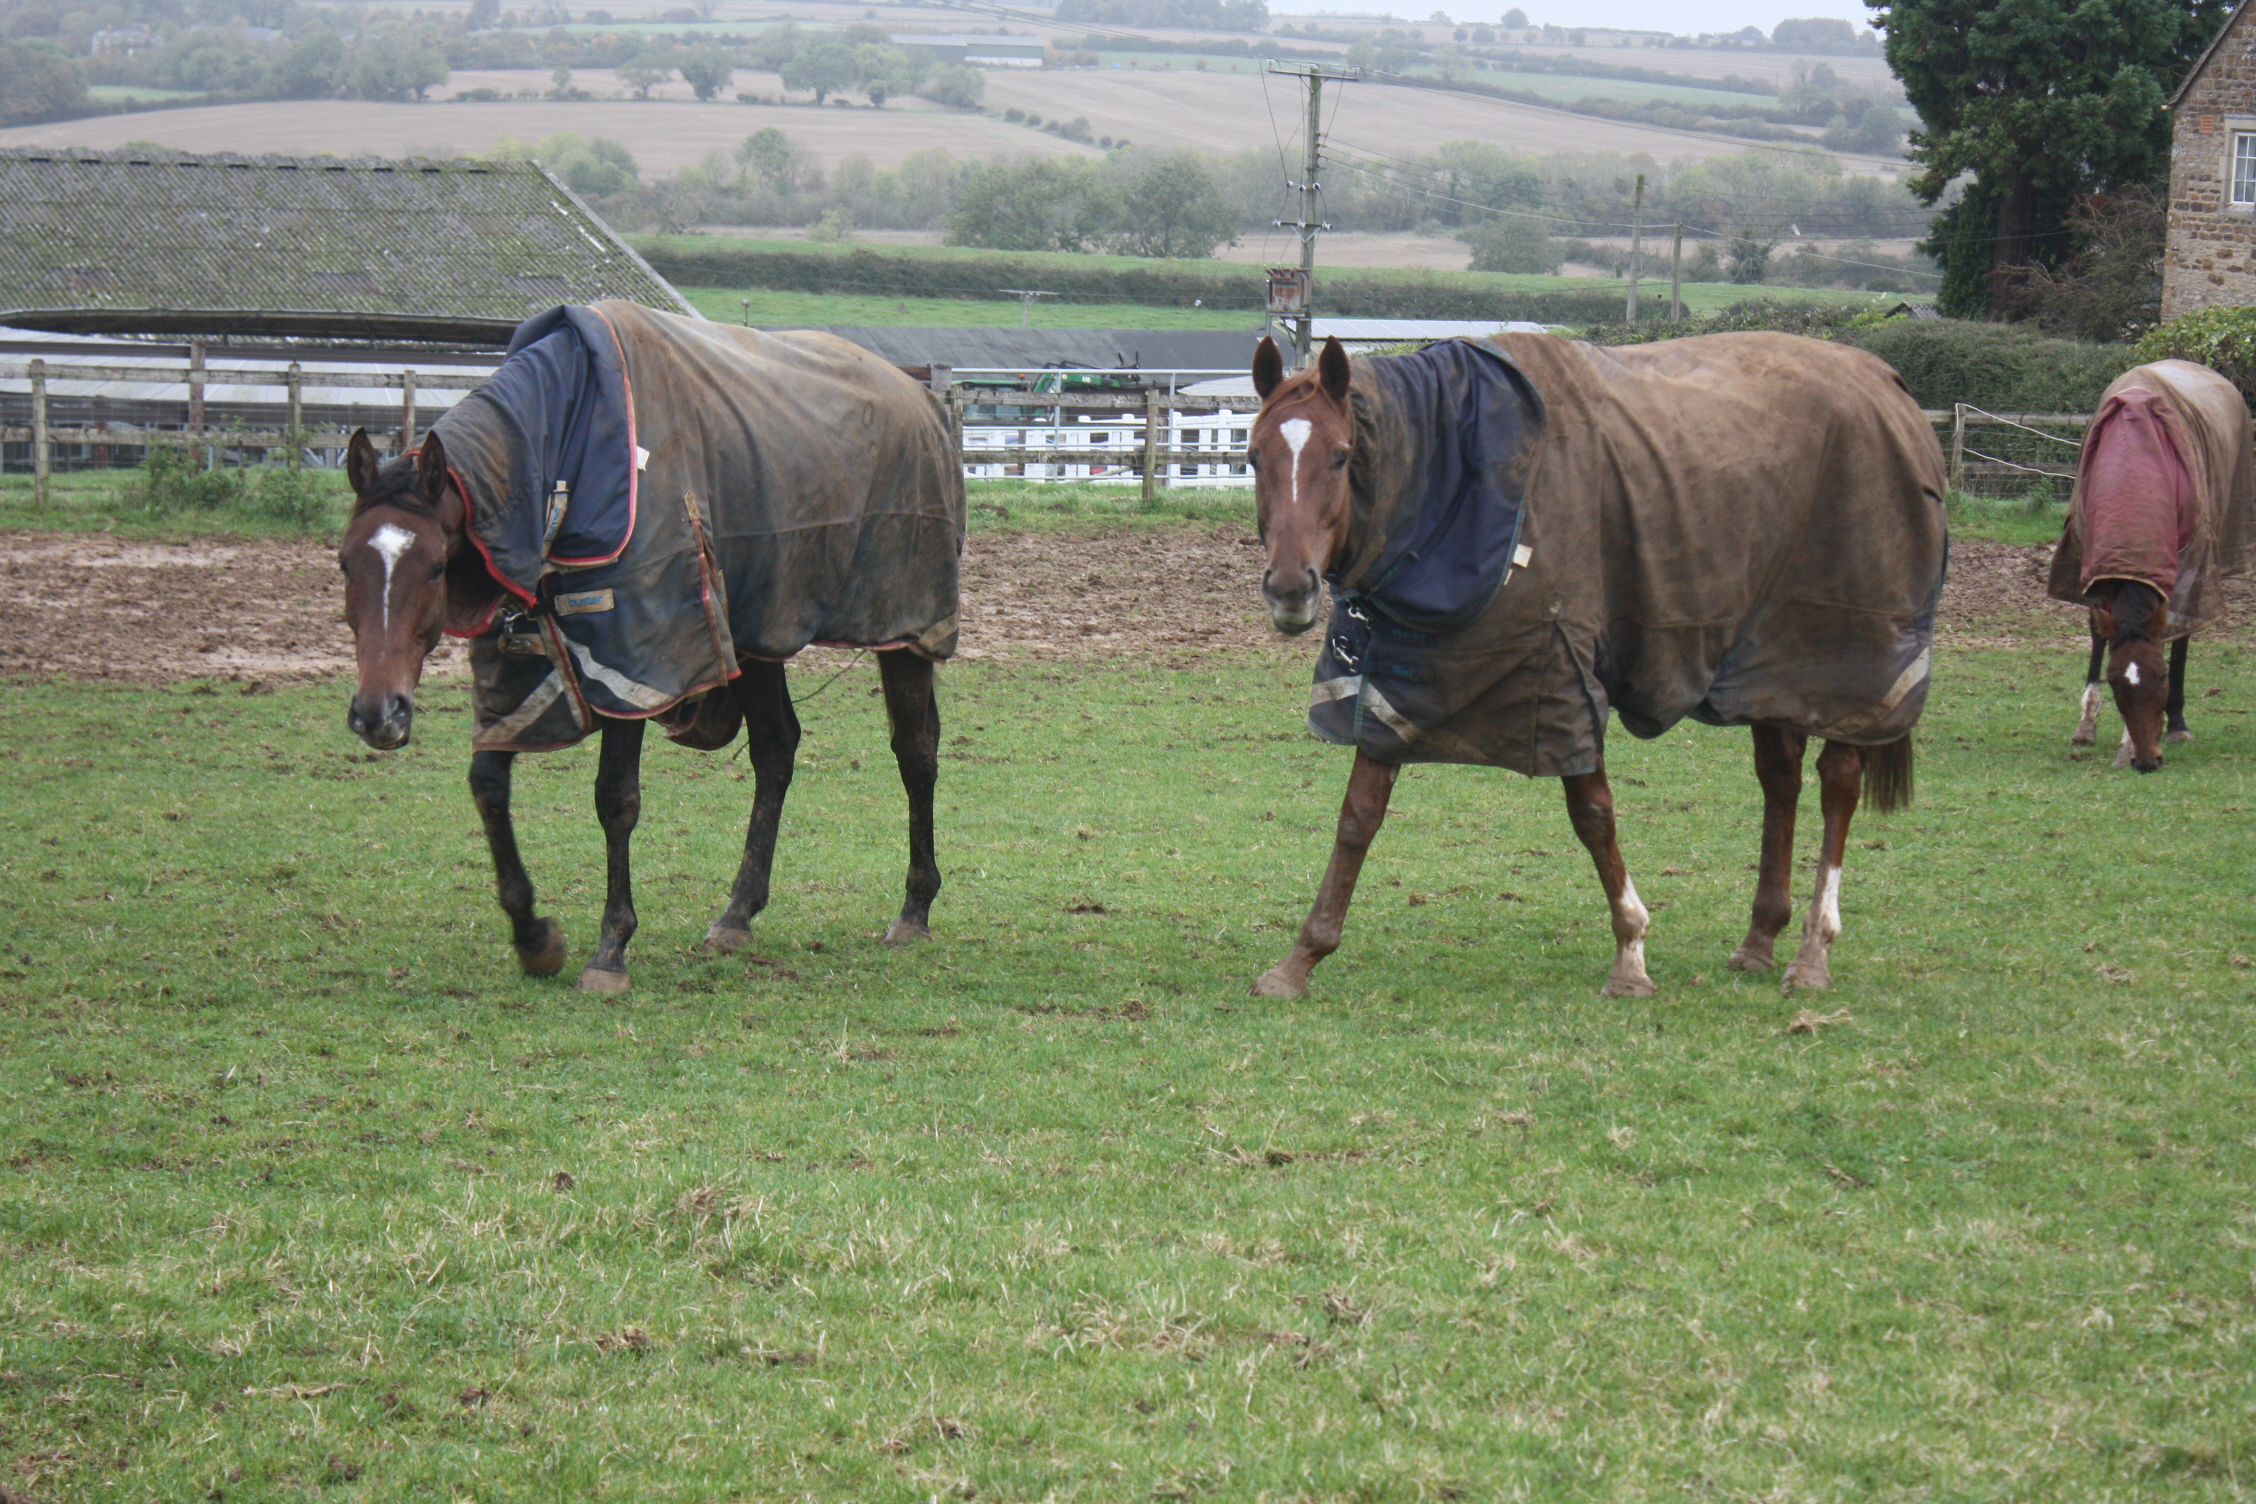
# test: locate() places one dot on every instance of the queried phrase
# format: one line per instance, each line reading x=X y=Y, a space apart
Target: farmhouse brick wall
x=2210 y=255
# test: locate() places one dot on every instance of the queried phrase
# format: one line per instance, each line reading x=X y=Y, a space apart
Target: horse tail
x=1887 y=774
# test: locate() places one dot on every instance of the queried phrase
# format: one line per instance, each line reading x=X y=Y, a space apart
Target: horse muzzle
x=1292 y=611
x=385 y=723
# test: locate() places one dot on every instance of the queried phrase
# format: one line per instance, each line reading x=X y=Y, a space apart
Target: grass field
x=312 y=1197
x=765 y=306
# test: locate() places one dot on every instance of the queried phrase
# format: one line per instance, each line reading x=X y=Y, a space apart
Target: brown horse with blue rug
x=1524 y=535
x=643 y=517
x=2165 y=506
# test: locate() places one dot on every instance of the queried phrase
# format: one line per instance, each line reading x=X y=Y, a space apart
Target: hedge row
x=711 y=261
x=2003 y=368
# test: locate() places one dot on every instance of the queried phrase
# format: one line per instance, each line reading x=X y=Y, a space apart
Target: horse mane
x=394 y=486
x=2135 y=606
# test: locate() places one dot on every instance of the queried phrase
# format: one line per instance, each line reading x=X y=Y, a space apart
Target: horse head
x=2132 y=617
x=1299 y=449
x=407 y=523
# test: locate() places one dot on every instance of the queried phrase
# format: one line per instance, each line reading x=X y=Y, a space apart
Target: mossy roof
x=174 y=242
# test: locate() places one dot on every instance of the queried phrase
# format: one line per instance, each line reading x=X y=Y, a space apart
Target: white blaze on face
x=1295 y=432
x=390 y=541
x=2130 y=674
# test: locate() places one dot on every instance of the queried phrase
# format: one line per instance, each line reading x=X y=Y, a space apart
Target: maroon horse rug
x=2165 y=506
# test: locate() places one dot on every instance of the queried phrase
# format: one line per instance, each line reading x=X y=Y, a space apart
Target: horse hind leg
x=1590 y=808
x=539 y=942
x=1839 y=769
x=914 y=711
x=1778 y=768
x=618 y=807
x=2087 y=728
x=2174 y=708
x=772 y=733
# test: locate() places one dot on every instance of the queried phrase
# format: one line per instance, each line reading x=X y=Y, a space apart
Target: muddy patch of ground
x=89 y=607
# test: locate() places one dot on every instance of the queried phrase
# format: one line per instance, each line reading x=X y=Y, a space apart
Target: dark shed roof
x=166 y=242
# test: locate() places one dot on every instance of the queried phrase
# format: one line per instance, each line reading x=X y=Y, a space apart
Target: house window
x=2244 y=167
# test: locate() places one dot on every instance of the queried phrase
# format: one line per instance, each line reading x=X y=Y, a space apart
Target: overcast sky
x=1685 y=17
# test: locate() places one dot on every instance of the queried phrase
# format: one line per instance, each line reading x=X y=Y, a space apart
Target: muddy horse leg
x=1362 y=812
x=539 y=942
x=618 y=806
x=915 y=713
x=1840 y=767
x=2087 y=728
x=2175 y=708
x=772 y=727
x=1590 y=806
x=1778 y=768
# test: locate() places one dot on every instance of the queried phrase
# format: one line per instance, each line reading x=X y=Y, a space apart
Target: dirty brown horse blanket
x=2165 y=491
x=1733 y=527
x=652 y=497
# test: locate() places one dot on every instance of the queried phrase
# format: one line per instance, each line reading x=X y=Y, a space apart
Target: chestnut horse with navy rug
x=2165 y=506
x=1524 y=535
x=642 y=517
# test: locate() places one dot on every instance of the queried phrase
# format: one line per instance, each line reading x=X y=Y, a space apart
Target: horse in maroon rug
x=1523 y=536
x=2165 y=506
x=642 y=517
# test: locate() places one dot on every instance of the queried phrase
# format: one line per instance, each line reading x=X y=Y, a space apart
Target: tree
x=483 y=15
x=1515 y=19
x=707 y=70
x=2042 y=101
x=2111 y=289
x=390 y=60
x=1174 y=209
x=588 y=165
x=309 y=67
x=1514 y=243
x=769 y=155
x=1750 y=255
x=1050 y=204
x=641 y=77
x=883 y=71
x=956 y=86
x=825 y=68
x=37 y=80
x=1817 y=34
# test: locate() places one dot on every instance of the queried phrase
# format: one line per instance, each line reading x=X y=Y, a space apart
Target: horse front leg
x=772 y=729
x=1369 y=786
x=1590 y=807
x=1839 y=767
x=1778 y=768
x=2087 y=728
x=914 y=712
x=539 y=942
x=618 y=806
x=2174 y=708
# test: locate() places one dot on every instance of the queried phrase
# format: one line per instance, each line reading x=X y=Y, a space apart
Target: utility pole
x=1026 y=297
x=1636 y=245
x=1307 y=225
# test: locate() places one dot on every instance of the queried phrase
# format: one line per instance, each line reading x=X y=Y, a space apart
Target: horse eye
x=438 y=570
x=1339 y=460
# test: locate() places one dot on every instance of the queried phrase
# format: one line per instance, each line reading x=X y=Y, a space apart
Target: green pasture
x=1568 y=88
x=311 y=1196
x=758 y=305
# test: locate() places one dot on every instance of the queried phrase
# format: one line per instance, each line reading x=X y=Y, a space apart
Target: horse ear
x=360 y=462
x=1268 y=368
x=1331 y=369
x=431 y=470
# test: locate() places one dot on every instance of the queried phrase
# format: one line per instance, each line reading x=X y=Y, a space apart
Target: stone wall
x=2210 y=258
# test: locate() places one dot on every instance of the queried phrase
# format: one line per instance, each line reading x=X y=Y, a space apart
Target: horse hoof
x=1747 y=958
x=1804 y=977
x=546 y=958
x=719 y=941
x=1627 y=987
x=2179 y=736
x=907 y=932
x=614 y=982
x=2123 y=756
x=1275 y=983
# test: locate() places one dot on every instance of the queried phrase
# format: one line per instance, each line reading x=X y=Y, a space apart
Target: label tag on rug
x=580 y=602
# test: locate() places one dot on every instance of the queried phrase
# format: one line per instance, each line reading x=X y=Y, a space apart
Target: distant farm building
x=981 y=50
x=166 y=243
x=2210 y=255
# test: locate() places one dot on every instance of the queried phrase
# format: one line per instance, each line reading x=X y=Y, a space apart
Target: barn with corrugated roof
x=168 y=243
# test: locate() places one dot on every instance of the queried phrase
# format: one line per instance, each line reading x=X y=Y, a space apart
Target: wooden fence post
x=1152 y=417
x=407 y=411
x=297 y=415
x=38 y=432
x=196 y=402
x=1958 y=446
